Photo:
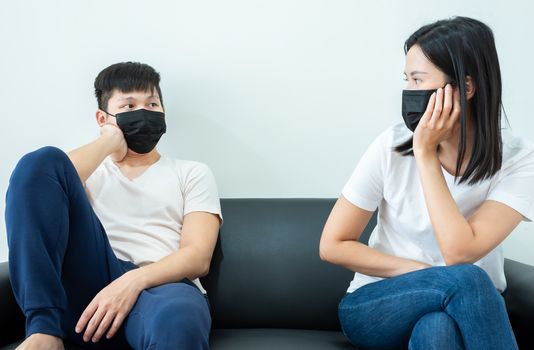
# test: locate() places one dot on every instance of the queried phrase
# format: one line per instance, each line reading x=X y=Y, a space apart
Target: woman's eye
x=153 y=104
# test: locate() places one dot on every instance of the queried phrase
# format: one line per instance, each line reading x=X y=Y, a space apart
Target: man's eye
x=153 y=104
x=128 y=106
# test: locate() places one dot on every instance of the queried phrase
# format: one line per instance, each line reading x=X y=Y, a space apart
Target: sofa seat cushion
x=279 y=339
x=264 y=339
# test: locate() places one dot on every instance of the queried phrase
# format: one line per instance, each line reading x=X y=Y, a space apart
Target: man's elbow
x=204 y=269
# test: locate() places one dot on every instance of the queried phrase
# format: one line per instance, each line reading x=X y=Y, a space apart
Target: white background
x=280 y=97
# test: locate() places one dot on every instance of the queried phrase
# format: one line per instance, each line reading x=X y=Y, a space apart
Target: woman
x=449 y=189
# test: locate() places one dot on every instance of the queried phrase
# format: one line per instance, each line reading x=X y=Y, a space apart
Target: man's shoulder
x=185 y=166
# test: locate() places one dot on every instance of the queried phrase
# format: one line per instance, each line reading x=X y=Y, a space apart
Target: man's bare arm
x=88 y=157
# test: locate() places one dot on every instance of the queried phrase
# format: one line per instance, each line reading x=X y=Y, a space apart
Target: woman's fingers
x=438 y=107
x=429 y=109
x=447 y=102
x=456 y=109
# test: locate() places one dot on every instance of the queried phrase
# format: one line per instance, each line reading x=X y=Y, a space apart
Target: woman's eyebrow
x=417 y=72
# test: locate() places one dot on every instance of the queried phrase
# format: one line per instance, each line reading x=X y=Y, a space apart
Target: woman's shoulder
x=393 y=135
x=516 y=150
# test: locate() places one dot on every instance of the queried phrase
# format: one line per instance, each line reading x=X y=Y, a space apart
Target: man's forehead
x=134 y=95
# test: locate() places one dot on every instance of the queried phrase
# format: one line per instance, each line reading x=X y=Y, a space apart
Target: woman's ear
x=101 y=117
x=470 y=87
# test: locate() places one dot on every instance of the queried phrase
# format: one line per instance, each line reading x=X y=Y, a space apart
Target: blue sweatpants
x=60 y=258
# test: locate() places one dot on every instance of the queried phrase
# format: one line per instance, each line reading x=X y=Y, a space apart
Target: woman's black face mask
x=142 y=128
x=414 y=104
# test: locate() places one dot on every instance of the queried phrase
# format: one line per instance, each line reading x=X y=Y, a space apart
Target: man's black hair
x=125 y=77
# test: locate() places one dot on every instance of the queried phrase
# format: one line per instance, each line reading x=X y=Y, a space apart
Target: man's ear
x=470 y=87
x=101 y=117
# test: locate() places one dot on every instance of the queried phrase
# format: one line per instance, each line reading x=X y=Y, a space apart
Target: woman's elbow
x=325 y=251
x=458 y=257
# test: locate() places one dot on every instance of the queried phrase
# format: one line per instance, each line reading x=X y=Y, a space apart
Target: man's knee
x=40 y=161
x=187 y=315
x=182 y=324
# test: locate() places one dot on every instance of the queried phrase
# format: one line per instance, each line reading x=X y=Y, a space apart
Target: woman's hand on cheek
x=439 y=120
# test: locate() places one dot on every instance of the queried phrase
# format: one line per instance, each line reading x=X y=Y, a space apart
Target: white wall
x=279 y=97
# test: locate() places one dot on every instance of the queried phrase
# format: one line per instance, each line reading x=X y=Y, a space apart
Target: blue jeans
x=450 y=307
x=60 y=258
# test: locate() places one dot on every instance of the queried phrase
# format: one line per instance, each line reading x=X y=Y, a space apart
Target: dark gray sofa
x=268 y=288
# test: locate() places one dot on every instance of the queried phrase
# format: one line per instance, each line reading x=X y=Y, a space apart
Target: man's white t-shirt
x=386 y=180
x=143 y=217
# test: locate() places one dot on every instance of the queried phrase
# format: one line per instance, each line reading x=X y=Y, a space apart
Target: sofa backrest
x=266 y=271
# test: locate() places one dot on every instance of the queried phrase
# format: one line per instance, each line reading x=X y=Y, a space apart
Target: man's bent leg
x=59 y=255
x=171 y=316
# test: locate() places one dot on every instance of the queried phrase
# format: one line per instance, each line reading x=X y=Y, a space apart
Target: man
x=106 y=244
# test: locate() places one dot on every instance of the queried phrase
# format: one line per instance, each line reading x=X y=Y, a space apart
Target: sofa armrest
x=11 y=318
x=519 y=298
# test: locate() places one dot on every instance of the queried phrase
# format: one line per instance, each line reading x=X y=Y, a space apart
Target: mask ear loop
x=113 y=115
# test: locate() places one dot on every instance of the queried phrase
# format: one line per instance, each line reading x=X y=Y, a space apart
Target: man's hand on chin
x=116 y=140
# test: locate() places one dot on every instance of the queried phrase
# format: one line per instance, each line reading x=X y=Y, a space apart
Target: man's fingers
x=93 y=324
x=103 y=327
x=119 y=318
x=86 y=316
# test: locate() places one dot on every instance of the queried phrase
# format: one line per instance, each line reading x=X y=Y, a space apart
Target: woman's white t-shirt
x=386 y=180
x=143 y=217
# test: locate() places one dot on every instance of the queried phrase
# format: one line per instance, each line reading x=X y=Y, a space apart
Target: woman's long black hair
x=461 y=47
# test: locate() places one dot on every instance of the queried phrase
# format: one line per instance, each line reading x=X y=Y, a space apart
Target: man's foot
x=39 y=341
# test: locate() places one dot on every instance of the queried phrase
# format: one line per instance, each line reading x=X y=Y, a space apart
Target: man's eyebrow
x=126 y=98
x=130 y=98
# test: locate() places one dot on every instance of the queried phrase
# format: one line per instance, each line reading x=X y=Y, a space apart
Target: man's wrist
x=108 y=143
x=139 y=278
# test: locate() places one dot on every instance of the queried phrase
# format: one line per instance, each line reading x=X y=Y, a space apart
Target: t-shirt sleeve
x=365 y=187
x=515 y=186
x=200 y=192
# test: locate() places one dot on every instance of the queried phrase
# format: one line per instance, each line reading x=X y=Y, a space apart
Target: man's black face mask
x=142 y=128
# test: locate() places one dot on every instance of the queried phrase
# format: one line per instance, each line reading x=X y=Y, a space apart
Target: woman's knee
x=471 y=277
x=436 y=330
